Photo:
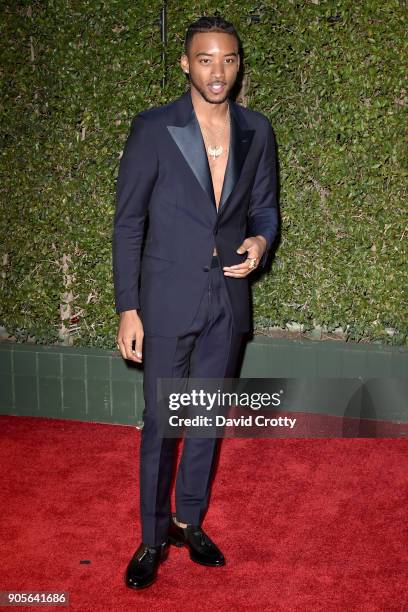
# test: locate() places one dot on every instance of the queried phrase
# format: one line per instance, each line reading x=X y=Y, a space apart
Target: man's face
x=213 y=64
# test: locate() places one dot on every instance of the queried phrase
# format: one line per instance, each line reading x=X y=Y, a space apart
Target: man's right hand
x=130 y=329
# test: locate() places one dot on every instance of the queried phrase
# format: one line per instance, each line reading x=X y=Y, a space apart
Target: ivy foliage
x=330 y=77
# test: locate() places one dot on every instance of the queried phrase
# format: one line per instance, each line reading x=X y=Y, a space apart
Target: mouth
x=217 y=87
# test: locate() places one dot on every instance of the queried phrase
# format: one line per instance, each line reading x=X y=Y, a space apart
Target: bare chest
x=218 y=165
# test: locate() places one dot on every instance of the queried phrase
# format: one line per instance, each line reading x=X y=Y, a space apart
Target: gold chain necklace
x=216 y=150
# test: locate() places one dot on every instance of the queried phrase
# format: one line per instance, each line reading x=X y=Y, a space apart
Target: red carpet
x=305 y=525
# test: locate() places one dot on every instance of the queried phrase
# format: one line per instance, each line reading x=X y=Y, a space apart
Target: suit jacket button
x=206 y=268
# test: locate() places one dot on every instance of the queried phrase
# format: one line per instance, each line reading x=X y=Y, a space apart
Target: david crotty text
x=221 y=421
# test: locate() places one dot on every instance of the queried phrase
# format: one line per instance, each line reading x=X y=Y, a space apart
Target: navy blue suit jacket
x=164 y=178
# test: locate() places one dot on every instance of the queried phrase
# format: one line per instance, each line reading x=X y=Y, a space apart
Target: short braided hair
x=213 y=23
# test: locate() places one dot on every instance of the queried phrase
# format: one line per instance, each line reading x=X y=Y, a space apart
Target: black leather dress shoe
x=202 y=548
x=142 y=569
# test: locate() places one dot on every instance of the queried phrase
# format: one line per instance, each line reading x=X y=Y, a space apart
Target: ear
x=184 y=63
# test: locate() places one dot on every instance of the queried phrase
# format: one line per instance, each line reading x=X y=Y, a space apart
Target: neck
x=207 y=112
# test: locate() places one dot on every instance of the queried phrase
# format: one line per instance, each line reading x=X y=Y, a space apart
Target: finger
x=121 y=347
x=238 y=273
x=248 y=242
x=244 y=246
x=241 y=266
x=240 y=270
x=129 y=352
x=139 y=346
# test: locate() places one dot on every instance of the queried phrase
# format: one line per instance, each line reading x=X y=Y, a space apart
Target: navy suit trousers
x=209 y=349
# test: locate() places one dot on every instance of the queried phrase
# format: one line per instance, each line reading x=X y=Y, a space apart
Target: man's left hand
x=255 y=246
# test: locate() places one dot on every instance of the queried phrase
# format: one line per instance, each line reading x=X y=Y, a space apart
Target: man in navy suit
x=201 y=173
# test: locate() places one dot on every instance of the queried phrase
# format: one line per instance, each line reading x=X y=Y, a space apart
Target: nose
x=218 y=69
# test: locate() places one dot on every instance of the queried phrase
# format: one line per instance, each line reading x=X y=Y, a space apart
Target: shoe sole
x=180 y=544
x=138 y=588
x=207 y=564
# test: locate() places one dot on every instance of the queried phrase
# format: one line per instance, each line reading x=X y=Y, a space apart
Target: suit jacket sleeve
x=137 y=174
x=263 y=207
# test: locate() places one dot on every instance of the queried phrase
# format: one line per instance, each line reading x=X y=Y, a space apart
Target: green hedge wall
x=329 y=75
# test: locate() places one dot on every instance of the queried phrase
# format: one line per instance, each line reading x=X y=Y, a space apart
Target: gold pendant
x=214 y=151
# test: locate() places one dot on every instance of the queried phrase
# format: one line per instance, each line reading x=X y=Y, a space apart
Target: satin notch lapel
x=240 y=141
x=191 y=144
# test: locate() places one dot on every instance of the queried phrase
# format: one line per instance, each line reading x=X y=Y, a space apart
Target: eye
x=205 y=60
